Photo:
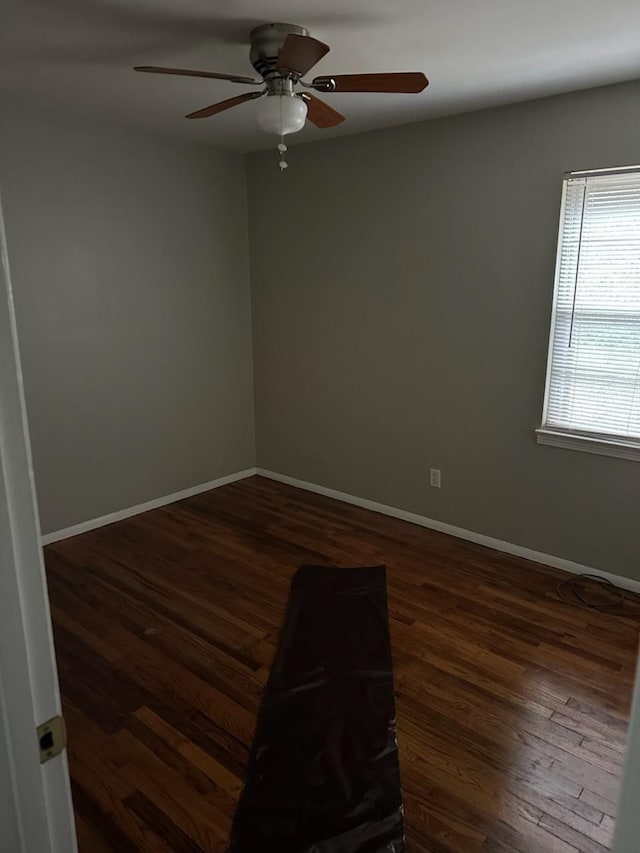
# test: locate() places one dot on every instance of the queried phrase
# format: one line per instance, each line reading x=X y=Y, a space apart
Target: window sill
x=589 y=444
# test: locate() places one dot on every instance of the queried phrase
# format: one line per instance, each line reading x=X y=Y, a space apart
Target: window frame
x=602 y=444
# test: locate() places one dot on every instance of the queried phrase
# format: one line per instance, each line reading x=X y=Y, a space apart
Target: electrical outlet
x=434 y=478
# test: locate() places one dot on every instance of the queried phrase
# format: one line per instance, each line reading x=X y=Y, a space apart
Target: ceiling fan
x=282 y=54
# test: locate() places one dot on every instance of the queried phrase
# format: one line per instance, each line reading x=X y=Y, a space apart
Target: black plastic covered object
x=323 y=775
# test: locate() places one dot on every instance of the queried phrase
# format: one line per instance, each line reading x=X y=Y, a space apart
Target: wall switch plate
x=434 y=478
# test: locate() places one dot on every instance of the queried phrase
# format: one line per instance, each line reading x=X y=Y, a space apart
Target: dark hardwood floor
x=512 y=706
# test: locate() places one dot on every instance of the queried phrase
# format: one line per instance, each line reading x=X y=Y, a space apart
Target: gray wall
x=403 y=321
x=129 y=260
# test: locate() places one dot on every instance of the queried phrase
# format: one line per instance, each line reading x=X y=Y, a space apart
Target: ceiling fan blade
x=221 y=106
x=186 y=72
x=320 y=113
x=300 y=53
x=403 y=81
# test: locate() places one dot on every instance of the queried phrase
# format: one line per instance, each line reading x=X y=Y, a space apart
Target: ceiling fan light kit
x=282 y=111
x=282 y=54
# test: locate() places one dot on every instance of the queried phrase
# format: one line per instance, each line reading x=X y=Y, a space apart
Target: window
x=592 y=396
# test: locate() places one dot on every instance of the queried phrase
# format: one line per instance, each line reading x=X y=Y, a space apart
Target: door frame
x=28 y=674
x=627 y=830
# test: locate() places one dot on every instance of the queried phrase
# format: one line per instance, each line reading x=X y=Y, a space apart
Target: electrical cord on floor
x=604 y=595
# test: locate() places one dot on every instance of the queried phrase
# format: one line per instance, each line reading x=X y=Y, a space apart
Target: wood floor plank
x=569 y=835
x=101 y=822
x=162 y=824
x=89 y=837
x=512 y=704
x=120 y=828
x=194 y=814
x=199 y=758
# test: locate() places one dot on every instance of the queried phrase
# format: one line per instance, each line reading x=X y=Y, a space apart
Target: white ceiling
x=78 y=54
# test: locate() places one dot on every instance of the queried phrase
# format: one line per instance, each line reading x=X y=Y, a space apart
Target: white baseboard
x=121 y=514
x=458 y=532
x=394 y=512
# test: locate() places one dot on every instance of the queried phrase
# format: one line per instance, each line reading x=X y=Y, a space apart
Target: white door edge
x=29 y=682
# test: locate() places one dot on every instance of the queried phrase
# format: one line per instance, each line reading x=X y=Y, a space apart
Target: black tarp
x=323 y=775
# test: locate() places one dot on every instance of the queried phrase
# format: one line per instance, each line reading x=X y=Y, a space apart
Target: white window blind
x=593 y=377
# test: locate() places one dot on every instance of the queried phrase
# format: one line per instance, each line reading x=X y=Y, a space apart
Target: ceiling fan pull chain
x=282 y=148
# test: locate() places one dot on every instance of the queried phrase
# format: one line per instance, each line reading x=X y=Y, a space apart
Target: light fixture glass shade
x=281 y=114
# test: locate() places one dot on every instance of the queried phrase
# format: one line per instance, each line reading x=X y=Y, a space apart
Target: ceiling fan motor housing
x=266 y=43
